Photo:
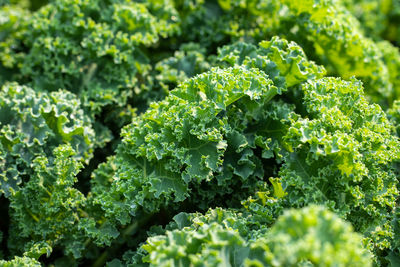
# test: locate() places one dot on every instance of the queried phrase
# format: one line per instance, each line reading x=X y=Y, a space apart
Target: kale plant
x=199 y=133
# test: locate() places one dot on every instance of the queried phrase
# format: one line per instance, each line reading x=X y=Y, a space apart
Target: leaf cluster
x=199 y=133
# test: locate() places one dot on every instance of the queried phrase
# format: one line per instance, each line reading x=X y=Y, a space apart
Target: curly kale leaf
x=186 y=62
x=48 y=209
x=342 y=155
x=326 y=30
x=94 y=48
x=312 y=235
x=182 y=140
x=202 y=144
x=341 y=46
x=284 y=62
x=32 y=124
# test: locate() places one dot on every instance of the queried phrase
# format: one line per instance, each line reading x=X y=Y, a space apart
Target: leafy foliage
x=378 y=18
x=32 y=124
x=193 y=138
x=340 y=44
x=12 y=26
x=20 y=261
x=342 y=156
x=186 y=62
x=165 y=132
x=226 y=237
x=328 y=32
x=48 y=208
x=94 y=48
